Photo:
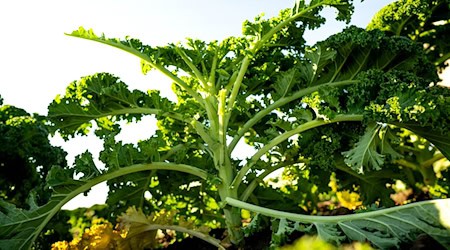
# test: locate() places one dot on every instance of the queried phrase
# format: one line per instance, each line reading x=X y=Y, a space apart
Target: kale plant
x=362 y=106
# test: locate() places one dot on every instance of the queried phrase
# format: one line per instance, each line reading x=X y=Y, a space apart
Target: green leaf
x=84 y=164
x=19 y=228
x=282 y=228
x=329 y=232
x=387 y=138
x=344 y=8
x=318 y=58
x=358 y=50
x=384 y=228
x=407 y=102
x=99 y=97
x=152 y=58
x=365 y=154
x=370 y=152
x=285 y=81
x=303 y=74
x=257 y=224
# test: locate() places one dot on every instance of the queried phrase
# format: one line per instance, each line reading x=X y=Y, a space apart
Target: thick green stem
x=234 y=224
x=221 y=112
x=226 y=173
x=237 y=84
x=212 y=74
x=200 y=130
x=211 y=112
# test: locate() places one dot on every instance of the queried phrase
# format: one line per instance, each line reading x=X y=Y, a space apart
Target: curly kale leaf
x=378 y=72
x=100 y=97
x=163 y=186
x=331 y=77
x=344 y=8
x=306 y=14
x=26 y=156
x=405 y=101
x=365 y=151
x=421 y=20
x=359 y=50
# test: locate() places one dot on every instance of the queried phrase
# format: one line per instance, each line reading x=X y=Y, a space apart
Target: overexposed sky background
x=37 y=61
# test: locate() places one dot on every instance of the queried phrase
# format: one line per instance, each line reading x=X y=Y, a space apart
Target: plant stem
x=405 y=163
x=283 y=24
x=194 y=69
x=249 y=189
x=232 y=214
x=429 y=162
x=200 y=130
x=211 y=112
x=132 y=110
x=211 y=240
x=212 y=74
x=234 y=223
x=172 y=151
x=63 y=198
x=89 y=35
x=237 y=85
x=282 y=101
x=279 y=139
x=322 y=219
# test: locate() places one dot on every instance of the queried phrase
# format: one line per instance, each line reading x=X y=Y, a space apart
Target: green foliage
x=385 y=228
x=26 y=156
x=426 y=22
x=139 y=226
x=366 y=152
x=362 y=106
x=24 y=226
x=100 y=96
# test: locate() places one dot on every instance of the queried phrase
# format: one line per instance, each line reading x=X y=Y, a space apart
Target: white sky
x=37 y=61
